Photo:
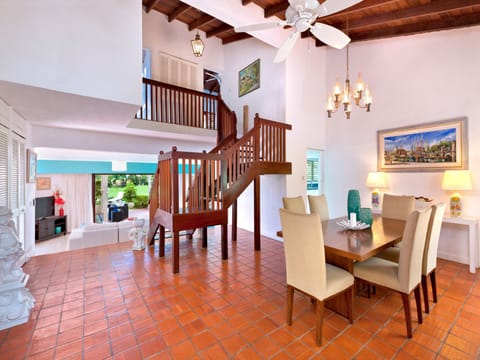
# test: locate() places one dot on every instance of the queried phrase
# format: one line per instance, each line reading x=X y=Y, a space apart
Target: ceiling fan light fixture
x=197 y=45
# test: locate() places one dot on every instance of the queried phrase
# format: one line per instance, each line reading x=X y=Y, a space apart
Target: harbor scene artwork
x=427 y=147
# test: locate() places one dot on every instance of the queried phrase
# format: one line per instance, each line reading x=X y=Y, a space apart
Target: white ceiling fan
x=301 y=15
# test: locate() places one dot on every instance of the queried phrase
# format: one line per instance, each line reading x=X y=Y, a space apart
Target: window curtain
x=76 y=189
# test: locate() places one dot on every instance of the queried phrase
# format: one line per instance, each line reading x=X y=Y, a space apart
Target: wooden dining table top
x=360 y=245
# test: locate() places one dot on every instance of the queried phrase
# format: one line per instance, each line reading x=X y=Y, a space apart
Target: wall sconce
x=376 y=180
x=197 y=45
x=456 y=180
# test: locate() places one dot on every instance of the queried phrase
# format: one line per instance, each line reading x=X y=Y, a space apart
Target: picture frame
x=31 y=166
x=435 y=146
x=44 y=183
x=249 y=78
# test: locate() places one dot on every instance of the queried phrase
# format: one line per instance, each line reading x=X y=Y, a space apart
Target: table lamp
x=376 y=180
x=456 y=180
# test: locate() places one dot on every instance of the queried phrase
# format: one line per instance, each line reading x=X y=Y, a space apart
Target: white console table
x=473 y=246
x=472 y=223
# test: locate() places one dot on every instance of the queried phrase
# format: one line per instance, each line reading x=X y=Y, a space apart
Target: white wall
x=269 y=102
x=174 y=38
x=80 y=47
x=305 y=97
x=415 y=79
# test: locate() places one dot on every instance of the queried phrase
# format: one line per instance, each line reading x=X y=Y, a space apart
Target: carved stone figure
x=16 y=301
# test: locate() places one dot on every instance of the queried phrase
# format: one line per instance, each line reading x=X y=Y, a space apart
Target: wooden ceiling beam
x=362 y=6
x=236 y=37
x=219 y=30
x=151 y=5
x=418 y=28
x=275 y=9
x=204 y=19
x=433 y=8
x=183 y=8
x=246 y=2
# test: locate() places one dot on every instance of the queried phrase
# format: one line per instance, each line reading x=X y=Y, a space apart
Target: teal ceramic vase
x=365 y=216
x=353 y=203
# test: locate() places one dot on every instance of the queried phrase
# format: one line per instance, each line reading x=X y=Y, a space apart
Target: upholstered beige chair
x=295 y=204
x=318 y=205
x=429 y=262
x=306 y=267
x=404 y=276
x=397 y=206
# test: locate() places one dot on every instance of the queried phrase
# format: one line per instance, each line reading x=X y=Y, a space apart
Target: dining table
x=343 y=247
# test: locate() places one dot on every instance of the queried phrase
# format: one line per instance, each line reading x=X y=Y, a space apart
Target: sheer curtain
x=77 y=192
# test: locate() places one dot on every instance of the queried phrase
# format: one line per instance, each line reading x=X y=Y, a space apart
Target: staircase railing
x=170 y=104
x=189 y=182
x=259 y=151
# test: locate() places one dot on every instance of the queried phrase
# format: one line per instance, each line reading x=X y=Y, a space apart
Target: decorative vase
x=365 y=216
x=61 y=212
x=353 y=202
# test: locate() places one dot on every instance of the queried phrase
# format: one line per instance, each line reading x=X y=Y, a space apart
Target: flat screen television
x=44 y=207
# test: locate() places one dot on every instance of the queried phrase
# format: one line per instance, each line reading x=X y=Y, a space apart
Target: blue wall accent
x=91 y=167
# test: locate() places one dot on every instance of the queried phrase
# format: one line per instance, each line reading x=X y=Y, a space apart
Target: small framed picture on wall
x=31 y=166
x=44 y=183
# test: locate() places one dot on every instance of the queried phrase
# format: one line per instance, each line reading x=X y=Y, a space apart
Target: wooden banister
x=170 y=104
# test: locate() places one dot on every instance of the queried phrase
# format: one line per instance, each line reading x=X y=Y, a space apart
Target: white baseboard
x=452 y=257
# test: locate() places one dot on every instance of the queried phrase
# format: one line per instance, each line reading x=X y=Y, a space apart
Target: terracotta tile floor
x=114 y=303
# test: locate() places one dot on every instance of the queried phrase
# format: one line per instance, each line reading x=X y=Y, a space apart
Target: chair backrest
x=295 y=204
x=433 y=235
x=397 y=206
x=304 y=252
x=411 y=250
x=318 y=205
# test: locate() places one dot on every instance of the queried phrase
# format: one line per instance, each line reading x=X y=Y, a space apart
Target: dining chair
x=405 y=276
x=307 y=270
x=397 y=206
x=295 y=204
x=318 y=205
x=429 y=262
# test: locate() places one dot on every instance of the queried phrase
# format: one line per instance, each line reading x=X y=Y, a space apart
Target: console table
x=472 y=224
x=48 y=227
x=473 y=246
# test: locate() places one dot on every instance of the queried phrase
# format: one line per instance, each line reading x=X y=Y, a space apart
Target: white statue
x=16 y=301
x=137 y=235
x=10 y=248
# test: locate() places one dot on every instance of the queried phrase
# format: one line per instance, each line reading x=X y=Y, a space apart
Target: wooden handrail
x=170 y=104
x=191 y=182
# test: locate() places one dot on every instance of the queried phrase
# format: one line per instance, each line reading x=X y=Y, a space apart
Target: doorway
x=120 y=196
x=314 y=172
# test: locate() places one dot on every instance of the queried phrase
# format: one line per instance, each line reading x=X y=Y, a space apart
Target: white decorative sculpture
x=137 y=234
x=16 y=301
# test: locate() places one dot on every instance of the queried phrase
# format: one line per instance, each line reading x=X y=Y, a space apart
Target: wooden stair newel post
x=234 y=220
x=175 y=211
x=223 y=187
x=256 y=185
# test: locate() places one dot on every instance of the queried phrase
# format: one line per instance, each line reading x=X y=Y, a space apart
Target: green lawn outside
x=141 y=190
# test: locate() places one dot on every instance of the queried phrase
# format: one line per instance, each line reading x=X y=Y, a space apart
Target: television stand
x=50 y=227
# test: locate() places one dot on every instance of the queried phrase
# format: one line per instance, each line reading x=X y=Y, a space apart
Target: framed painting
x=44 y=183
x=31 y=166
x=249 y=78
x=435 y=146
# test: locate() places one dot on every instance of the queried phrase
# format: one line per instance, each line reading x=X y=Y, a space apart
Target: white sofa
x=99 y=234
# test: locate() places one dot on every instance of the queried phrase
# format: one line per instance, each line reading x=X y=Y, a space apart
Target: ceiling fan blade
x=286 y=47
x=330 y=35
x=261 y=26
x=330 y=6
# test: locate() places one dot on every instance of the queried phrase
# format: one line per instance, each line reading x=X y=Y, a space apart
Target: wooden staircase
x=195 y=190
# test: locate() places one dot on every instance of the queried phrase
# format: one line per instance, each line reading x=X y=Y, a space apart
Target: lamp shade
x=457 y=180
x=377 y=180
